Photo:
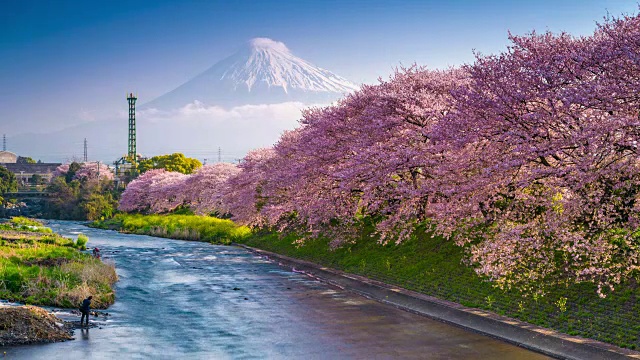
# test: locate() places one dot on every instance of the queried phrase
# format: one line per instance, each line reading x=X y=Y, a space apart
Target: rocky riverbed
x=21 y=325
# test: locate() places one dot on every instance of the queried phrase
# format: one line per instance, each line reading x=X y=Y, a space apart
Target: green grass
x=183 y=227
x=433 y=266
x=23 y=221
x=39 y=267
x=20 y=223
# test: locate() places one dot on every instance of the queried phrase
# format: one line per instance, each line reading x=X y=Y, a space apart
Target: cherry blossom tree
x=370 y=154
x=546 y=169
x=167 y=192
x=155 y=191
x=528 y=159
x=94 y=170
x=88 y=170
x=243 y=193
x=61 y=170
x=204 y=190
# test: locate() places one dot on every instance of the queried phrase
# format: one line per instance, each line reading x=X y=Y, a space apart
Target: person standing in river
x=84 y=309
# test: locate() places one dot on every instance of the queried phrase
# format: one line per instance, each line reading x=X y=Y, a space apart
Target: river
x=179 y=299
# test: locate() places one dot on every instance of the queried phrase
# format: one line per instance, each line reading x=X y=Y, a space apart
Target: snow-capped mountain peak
x=271 y=63
x=267 y=44
x=263 y=71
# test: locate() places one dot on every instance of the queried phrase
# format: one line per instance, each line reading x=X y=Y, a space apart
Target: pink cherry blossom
x=527 y=158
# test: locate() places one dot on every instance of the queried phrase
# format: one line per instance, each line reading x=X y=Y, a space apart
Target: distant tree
x=81 y=199
x=98 y=204
x=36 y=179
x=84 y=171
x=71 y=171
x=82 y=191
x=25 y=160
x=93 y=170
x=175 y=162
x=63 y=195
x=8 y=181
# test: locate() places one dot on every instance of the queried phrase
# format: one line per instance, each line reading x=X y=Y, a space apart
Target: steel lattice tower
x=85 y=150
x=132 y=153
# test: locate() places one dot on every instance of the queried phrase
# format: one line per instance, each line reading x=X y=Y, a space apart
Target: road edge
x=532 y=337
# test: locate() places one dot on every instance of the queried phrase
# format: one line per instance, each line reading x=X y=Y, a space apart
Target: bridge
x=26 y=194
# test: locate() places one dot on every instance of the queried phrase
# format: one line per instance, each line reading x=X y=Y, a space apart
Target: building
x=24 y=171
x=7 y=157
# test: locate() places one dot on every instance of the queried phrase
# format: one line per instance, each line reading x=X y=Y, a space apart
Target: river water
x=179 y=299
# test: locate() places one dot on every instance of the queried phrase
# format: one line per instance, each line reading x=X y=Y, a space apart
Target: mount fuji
x=264 y=71
x=243 y=102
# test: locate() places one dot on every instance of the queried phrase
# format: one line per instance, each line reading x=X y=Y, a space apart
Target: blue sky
x=67 y=62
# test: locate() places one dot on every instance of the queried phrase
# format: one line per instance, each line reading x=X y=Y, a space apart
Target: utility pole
x=98 y=169
x=219 y=154
x=85 y=150
x=4 y=142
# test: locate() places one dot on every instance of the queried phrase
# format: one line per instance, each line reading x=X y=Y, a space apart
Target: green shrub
x=20 y=223
x=23 y=221
x=183 y=227
x=82 y=241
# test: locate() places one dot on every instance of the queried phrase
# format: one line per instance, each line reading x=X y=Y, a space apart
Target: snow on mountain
x=245 y=101
x=264 y=71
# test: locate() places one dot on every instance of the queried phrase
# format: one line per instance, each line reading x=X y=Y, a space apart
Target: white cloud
x=198 y=111
x=196 y=130
x=199 y=129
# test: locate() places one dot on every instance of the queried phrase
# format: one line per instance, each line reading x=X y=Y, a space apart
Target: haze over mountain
x=242 y=102
x=264 y=71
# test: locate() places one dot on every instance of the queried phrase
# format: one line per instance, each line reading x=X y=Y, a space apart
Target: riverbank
x=433 y=266
x=180 y=227
x=538 y=339
x=40 y=267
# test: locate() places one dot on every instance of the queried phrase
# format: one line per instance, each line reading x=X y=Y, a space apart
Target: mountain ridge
x=264 y=71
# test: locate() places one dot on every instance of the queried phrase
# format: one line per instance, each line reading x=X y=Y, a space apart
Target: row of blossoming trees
x=529 y=158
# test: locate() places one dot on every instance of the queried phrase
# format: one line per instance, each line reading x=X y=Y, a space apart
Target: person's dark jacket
x=86 y=305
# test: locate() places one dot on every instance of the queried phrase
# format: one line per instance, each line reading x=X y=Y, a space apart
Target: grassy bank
x=40 y=267
x=182 y=227
x=433 y=266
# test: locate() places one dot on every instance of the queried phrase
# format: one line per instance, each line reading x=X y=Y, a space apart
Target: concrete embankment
x=529 y=336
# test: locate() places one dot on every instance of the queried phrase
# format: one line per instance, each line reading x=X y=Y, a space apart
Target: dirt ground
x=30 y=324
